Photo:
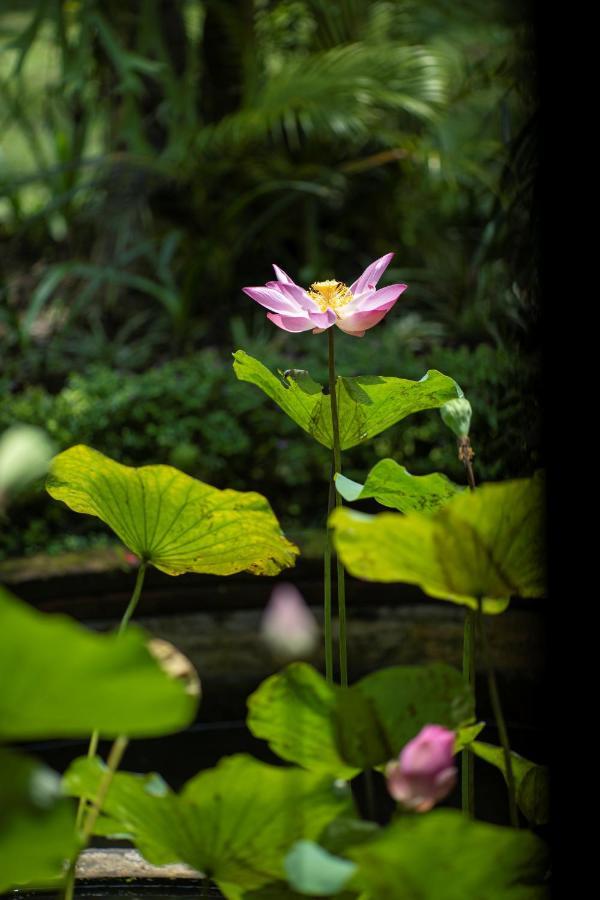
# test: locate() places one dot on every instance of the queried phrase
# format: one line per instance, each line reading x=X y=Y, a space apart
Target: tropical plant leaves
x=487 y=543
x=330 y=729
x=175 y=522
x=447 y=854
x=531 y=781
x=367 y=404
x=234 y=823
x=37 y=823
x=62 y=680
x=393 y=485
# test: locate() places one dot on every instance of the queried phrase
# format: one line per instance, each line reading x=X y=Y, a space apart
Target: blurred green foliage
x=191 y=413
x=157 y=155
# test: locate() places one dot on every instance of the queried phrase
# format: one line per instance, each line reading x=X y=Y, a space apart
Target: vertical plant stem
x=337 y=466
x=114 y=759
x=112 y=763
x=139 y=581
x=327 y=587
x=499 y=717
x=93 y=745
x=465 y=454
x=468 y=760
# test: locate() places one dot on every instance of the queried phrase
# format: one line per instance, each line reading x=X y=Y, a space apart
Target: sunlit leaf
x=175 y=522
x=392 y=485
x=234 y=823
x=367 y=404
x=445 y=854
x=327 y=728
x=487 y=543
x=62 y=680
x=37 y=823
x=531 y=781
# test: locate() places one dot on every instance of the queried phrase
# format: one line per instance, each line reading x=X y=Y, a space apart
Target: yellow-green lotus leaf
x=487 y=543
x=175 y=522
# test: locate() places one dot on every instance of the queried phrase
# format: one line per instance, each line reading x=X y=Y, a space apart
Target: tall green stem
x=468 y=760
x=112 y=764
x=499 y=717
x=465 y=454
x=337 y=466
x=93 y=744
x=139 y=582
x=327 y=588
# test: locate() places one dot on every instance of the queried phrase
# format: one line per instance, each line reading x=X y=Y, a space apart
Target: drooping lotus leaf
x=531 y=781
x=367 y=404
x=175 y=522
x=37 y=823
x=487 y=543
x=445 y=854
x=62 y=680
x=393 y=485
x=234 y=823
x=328 y=728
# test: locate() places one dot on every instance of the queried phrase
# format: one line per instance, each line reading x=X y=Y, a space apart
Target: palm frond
x=342 y=93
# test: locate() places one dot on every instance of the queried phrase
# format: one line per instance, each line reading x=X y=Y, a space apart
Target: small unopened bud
x=288 y=626
x=25 y=453
x=174 y=663
x=456 y=415
x=424 y=772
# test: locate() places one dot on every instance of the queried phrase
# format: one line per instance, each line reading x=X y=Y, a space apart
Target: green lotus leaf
x=330 y=729
x=487 y=543
x=234 y=823
x=173 y=521
x=445 y=854
x=37 y=824
x=313 y=871
x=392 y=485
x=62 y=680
x=367 y=404
x=531 y=781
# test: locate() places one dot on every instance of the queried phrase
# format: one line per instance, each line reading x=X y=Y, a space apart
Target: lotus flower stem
x=327 y=587
x=337 y=467
x=139 y=582
x=465 y=454
x=114 y=760
x=499 y=717
x=93 y=745
x=468 y=760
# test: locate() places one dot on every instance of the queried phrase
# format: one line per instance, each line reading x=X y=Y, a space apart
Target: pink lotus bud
x=288 y=626
x=423 y=774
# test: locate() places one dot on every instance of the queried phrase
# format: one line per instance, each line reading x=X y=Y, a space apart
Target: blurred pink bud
x=288 y=627
x=423 y=774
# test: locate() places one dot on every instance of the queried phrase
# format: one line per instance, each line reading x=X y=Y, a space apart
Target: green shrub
x=193 y=414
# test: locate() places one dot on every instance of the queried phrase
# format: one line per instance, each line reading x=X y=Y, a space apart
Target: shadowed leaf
x=444 y=854
x=327 y=728
x=37 y=824
x=234 y=823
x=531 y=781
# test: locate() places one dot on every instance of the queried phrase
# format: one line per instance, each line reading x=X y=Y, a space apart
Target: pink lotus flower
x=423 y=774
x=288 y=626
x=354 y=309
